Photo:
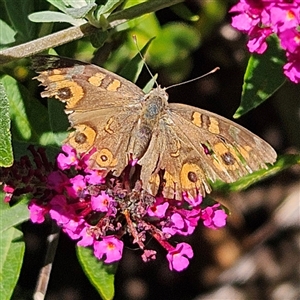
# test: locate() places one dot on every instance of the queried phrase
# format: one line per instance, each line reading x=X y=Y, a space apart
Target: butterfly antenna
x=194 y=79
x=143 y=58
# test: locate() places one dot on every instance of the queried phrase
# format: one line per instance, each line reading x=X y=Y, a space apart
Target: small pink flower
x=214 y=217
x=292 y=68
x=76 y=187
x=74 y=228
x=60 y=210
x=290 y=40
x=248 y=15
x=86 y=238
x=101 y=202
x=182 y=222
x=179 y=257
x=193 y=201
x=257 y=42
x=191 y=218
x=94 y=177
x=98 y=211
x=259 y=19
x=37 y=212
x=284 y=18
x=175 y=225
x=67 y=159
x=110 y=247
x=8 y=192
x=8 y=189
x=158 y=211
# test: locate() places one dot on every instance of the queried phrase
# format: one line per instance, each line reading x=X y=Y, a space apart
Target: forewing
x=103 y=107
x=84 y=86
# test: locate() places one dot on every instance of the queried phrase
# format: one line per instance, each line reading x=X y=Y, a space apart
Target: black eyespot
x=64 y=93
x=80 y=138
x=103 y=157
x=192 y=176
x=228 y=158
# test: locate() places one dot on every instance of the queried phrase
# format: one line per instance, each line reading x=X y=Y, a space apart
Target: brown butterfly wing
x=84 y=86
x=196 y=146
x=191 y=145
x=102 y=106
x=175 y=155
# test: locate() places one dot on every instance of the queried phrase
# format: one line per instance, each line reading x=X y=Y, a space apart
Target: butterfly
x=180 y=148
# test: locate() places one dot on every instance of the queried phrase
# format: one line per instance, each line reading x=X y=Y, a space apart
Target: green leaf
x=80 y=12
x=99 y=38
x=15 y=215
x=64 y=5
x=78 y=3
x=263 y=77
x=12 y=246
x=108 y=7
x=60 y=4
x=91 y=1
x=282 y=163
x=144 y=28
x=18 y=12
x=7 y=35
x=179 y=39
x=134 y=67
x=29 y=117
x=101 y=275
x=6 y=155
x=149 y=86
x=12 y=249
x=3 y=204
x=54 y=16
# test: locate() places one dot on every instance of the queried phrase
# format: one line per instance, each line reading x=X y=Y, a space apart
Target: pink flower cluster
x=98 y=210
x=261 y=18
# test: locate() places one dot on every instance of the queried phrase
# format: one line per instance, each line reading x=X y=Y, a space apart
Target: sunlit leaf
x=263 y=77
x=12 y=248
x=29 y=117
x=101 y=275
x=80 y=12
x=6 y=155
x=54 y=16
x=12 y=216
x=282 y=163
x=108 y=7
x=7 y=35
x=133 y=69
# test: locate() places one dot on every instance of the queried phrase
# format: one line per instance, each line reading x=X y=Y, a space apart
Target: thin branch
x=44 y=275
x=77 y=32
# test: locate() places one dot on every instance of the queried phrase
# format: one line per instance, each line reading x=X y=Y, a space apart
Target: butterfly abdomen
x=154 y=106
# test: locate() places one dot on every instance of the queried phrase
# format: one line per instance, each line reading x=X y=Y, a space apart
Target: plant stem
x=77 y=32
x=44 y=275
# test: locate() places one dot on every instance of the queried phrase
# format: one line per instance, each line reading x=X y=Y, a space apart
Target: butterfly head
x=159 y=92
x=155 y=103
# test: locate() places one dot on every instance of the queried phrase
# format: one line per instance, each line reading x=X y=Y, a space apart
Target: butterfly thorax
x=154 y=107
